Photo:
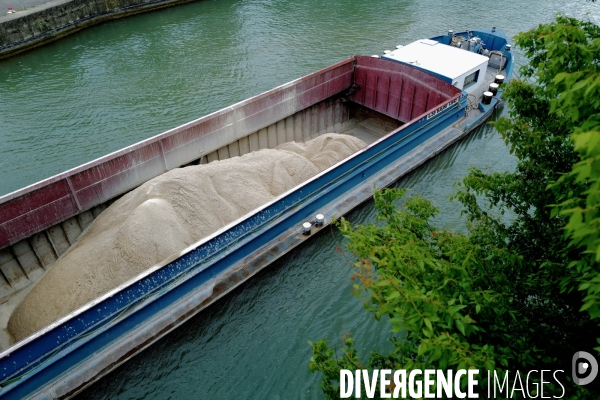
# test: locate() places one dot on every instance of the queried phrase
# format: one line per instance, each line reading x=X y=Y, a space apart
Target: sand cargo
x=406 y=106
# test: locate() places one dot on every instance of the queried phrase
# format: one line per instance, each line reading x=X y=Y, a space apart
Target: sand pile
x=165 y=215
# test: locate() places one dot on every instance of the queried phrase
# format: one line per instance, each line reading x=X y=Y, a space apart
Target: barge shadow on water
x=405 y=112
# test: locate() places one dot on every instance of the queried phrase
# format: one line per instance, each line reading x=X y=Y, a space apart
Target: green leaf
x=460 y=326
x=428 y=323
x=393 y=295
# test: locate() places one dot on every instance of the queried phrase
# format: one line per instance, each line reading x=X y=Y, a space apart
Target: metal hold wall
x=54 y=200
x=324 y=117
x=25 y=261
x=398 y=90
x=39 y=223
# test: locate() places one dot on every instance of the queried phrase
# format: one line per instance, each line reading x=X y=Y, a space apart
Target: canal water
x=123 y=81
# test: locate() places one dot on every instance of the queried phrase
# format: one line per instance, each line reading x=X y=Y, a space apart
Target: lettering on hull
x=442 y=108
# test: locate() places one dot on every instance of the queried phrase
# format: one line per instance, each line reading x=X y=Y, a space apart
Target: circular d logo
x=584 y=368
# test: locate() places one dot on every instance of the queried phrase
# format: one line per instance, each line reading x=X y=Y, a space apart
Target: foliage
x=569 y=51
x=434 y=285
x=501 y=297
x=451 y=300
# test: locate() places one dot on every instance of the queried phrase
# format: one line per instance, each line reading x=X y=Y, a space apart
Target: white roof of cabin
x=437 y=57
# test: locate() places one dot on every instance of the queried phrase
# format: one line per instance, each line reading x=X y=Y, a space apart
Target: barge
x=408 y=105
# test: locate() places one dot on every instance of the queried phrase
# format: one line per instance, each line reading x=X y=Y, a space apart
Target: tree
x=570 y=55
x=504 y=297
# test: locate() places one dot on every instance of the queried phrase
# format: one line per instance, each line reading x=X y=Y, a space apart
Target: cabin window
x=471 y=79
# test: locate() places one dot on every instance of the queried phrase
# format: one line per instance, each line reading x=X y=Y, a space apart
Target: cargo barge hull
x=406 y=116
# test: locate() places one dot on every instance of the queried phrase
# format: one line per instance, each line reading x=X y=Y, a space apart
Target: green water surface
x=126 y=80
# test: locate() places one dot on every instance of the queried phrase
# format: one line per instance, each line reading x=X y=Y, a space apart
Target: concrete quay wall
x=45 y=23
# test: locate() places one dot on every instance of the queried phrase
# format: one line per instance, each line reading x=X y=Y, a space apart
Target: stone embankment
x=47 y=22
